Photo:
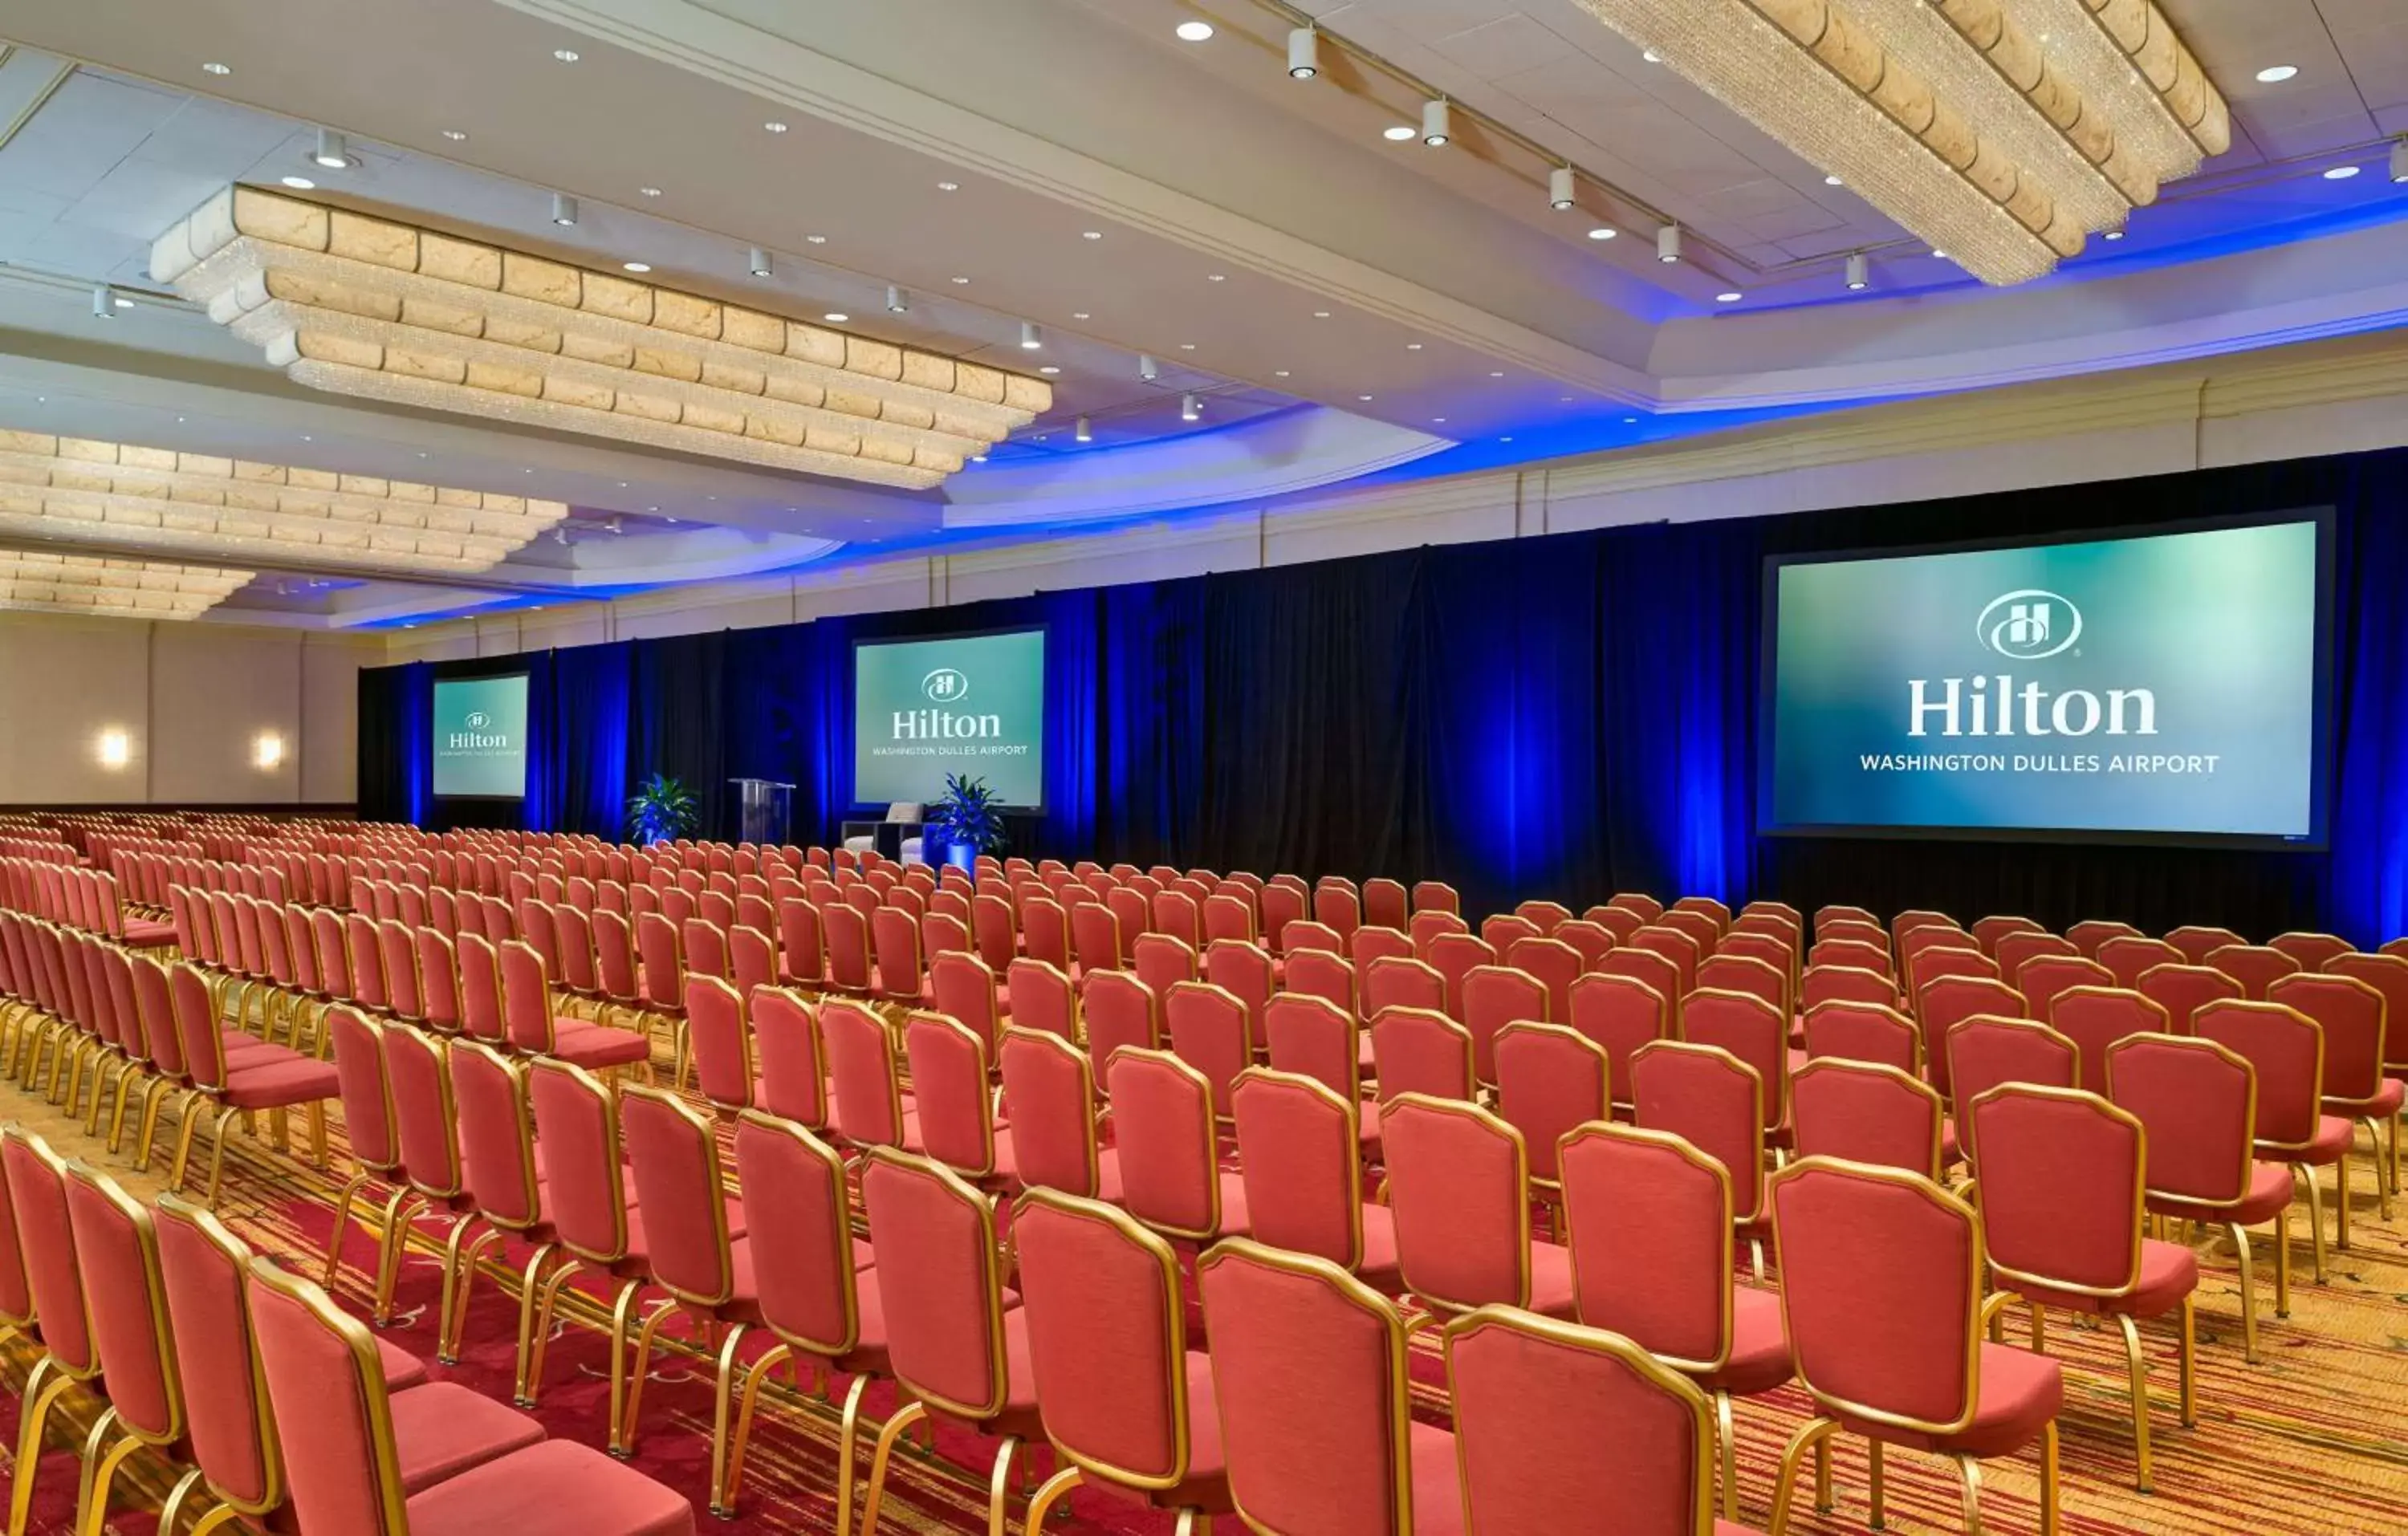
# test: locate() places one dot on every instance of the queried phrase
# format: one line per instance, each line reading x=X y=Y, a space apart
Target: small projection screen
x=967 y=704
x=480 y=737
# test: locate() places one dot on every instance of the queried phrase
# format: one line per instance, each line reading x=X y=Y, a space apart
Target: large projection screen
x=967 y=704
x=2165 y=686
x=480 y=737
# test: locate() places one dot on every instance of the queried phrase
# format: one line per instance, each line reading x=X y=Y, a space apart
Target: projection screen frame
x=2321 y=728
x=506 y=672
x=1041 y=627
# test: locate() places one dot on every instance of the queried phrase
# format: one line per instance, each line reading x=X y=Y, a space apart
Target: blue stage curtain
x=1563 y=716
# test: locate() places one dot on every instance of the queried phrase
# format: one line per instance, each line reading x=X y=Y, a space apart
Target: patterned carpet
x=2309 y=1442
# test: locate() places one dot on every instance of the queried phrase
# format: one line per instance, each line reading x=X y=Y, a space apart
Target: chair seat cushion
x=1759 y=1355
x=1380 y=1270
x=1206 y=1487
x=1438 y=1488
x=2169 y=1272
x=870 y=1342
x=2382 y=1106
x=2329 y=1145
x=556 y=1488
x=401 y=1368
x=583 y=1043
x=441 y=1429
x=2021 y=1391
x=281 y=1081
x=1551 y=1279
x=2270 y=1190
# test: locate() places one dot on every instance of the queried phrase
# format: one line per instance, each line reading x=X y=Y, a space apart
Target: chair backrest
x=117 y=1257
x=196 y=1004
x=2387 y=974
x=1851 y=955
x=333 y=1419
x=1939 y=1003
x=1752 y=1030
x=1550 y=1078
x=2198 y=1103
x=1107 y=1338
x=2016 y=950
x=2128 y=956
x=2094 y=1018
x=2064 y=1174
x=1334 y=1460
x=2287 y=1049
x=793 y=1082
x=427 y=1122
x=1867 y=1113
x=2182 y=990
x=1556 y=1423
x=720 y=1034
x=1621 y=1014
x=1316 y=1038
x=2353 y=1020
x=1164 y=1130
x=1298 y=1154
x=1041 y=997
x=2043 y=977
x=751 y=958
x=963 y=987
x=1881 y=1286
x=846 y=933
x=939 y=1284
x=496 y=1135
x=949 y=1085
x=2312 y=951
x=397 y=948
x=2255 y=967
x=1246 y=972
x=1402 y=982
x=1714 y=1101
x=1459 y=1191
x=1386 y=903
x=1494 y=996
x=1310 y=934
x=1096 y=937
x=1206 y=1027
x=799 y=1220
x=45 y=1234
x=1675 y=944
x=799 y=952
x=1650 y=1233
x=683 y=1195
x=1987 y=931
x=1050 y=1090
x=1984 y=1050
x=1420 y=1049
x=577 y=1121
x=1426 y=927
x=1864 y=1031
x=205 y=1270
x=1163 y=960
x=862 y=1076
x=1454 y=956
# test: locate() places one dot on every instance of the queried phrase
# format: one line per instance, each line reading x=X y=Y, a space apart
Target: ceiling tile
x=1503 y=47
x=1804 y=219
x=87 y=127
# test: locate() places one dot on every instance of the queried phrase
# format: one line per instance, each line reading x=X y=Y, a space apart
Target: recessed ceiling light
x=1626 y=421
x=214 y=68
x=1216 y=276
x=2275 y=74
x=1279 y=373
x=1833 y=181
x=1603 y=231
x=1651 y=55
x=1504 y=440
x=2341 y=173
x=649 y=192
x=1938 y=254
x=1397 y=133
x=964 y=281
x=836 y=317
x=1413 y=346
x=564 y=211
x=1362 y=398
x=1049 y=368
x=300 y=183
x=1187 y=346
x=949 y=186
x=815 y=240
x=1321 y=314
x=1728 y=298
x=636 y=266
x=307 y=439
x=1031 y=337
x=1438 y=419
x=1195 y=32
x=331 y=152
x=2112 y=235
x=1497 y=373
x=565 y=55
x=455 y=136
x=1081 y=314
x=774 y=126
x=1091 y=233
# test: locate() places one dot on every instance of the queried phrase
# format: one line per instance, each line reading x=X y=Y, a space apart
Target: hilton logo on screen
x=475 y=739
x=2028 y=624
x=945 y=685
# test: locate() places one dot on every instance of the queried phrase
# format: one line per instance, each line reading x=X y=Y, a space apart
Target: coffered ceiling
x=1244 y=287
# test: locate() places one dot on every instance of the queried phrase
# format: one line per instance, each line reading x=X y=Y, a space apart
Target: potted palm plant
x=969 y=820
x=663 y=809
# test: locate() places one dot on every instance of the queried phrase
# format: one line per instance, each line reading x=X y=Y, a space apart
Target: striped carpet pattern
x=2309 y=1442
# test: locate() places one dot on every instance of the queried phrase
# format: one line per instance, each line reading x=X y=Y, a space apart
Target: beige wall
x=194 y=700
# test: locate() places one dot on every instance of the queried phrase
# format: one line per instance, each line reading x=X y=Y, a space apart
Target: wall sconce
x=267 y=752
x=116 y=749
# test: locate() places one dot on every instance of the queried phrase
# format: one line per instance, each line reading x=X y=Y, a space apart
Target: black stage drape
x=1566 y=716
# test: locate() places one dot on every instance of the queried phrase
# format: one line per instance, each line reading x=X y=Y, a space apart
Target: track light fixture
x=1147 y=368
x=1086 y=433
x=897 y=301
x=103 y=301
x=1859 y=273
x=1438 y=123
x=1190 y=409
x=1303 y=53
x=2400 y=161
x=1030 y=339
x=758 y=262
x=564 y=211
x=1668 y=244
x=1559 y=189
x=331 y=152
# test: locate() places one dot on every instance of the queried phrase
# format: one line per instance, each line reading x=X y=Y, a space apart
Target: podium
x=765 y=808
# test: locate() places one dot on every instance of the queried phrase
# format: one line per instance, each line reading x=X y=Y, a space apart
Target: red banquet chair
x=1650 y=1223
x=338 y=1426
x=1049 y=1091
x=2255 y=967
x=791 y=1064
x=2093 y=934
x=1119 y=1010
x=1881 y=1281
x=1864 y=1031
x=1556 y=1423
x=2287 y=1049
x=1205 y=1027
x=1348 y=1454
x=2129 y=957
x=1493 y=998
x=1986 y=1052
x=1402 y=982
x=1420 y=1049
x=1754 y=1032
x=2356 y=1020
x=1550 y=1080
x=2198 y=1102
x=1987 y=931
x=1298 y=1153
x=2064 y=1190
x=954 y=1100
x=2182 y=990
x=2312 y=951
x=1869 y=1113
x=2095 y=1018
x=1165 y=1131
x=1939 y=1006
x=1123 y=1402
x=1715 y=1102
x=1459 y=1188
x=2016 y=950
x=1621 y=1014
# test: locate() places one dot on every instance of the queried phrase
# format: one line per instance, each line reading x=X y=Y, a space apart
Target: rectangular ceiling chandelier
x=2003 y=132
x=154 y=499
x=34 y=583
x=379 y=310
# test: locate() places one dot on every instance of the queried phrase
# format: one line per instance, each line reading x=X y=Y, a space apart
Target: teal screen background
x=996 y=684
x=495 y=711
x=2220 y=625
